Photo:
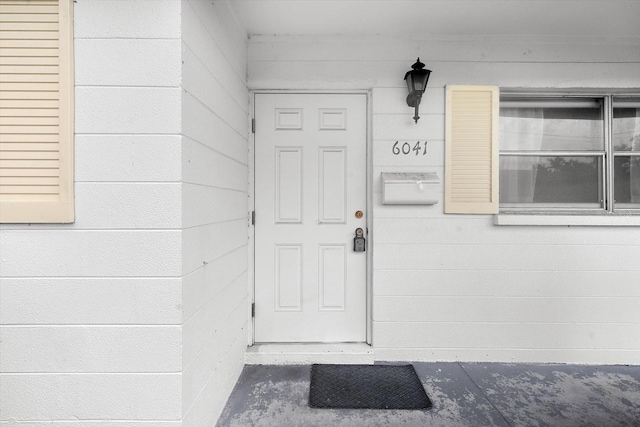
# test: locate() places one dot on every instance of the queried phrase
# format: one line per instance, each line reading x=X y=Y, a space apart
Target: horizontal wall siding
x=90 y=312
x=140 y=158
x=457 y=287
x=83 y=399
x=95 y=253
x=501 y=309
x=215 y=110
x=128 y=62
x=508 y=283
x=208 y=347
x=124 y=19
x=505 y=335
x=489 y=48
x=505 y=257
x=90 y=301
x=356 y=74
x=54 y=349
x=128 y=110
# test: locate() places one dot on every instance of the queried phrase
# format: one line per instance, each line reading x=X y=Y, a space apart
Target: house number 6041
x=406 y=148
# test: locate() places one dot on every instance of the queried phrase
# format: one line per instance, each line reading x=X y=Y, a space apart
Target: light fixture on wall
x=416 y=83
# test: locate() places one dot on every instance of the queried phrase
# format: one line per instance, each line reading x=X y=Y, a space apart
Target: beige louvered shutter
x=471 y=140
x=36 y=111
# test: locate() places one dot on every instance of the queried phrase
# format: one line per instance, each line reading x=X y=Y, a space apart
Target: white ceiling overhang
x=555 y=18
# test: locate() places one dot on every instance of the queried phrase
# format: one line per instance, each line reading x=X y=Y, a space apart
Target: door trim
x=251 y=202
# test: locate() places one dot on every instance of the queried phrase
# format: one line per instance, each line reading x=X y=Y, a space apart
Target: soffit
x=572 y=18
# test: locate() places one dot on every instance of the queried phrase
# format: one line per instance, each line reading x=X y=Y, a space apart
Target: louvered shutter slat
x=29 y=44
x=28 y=112
x=26 y=95
x=28 y=173
x=30 y=130
x=27 y=78
x=18 y=55
x=36 y=155
x=36 y=36
x=8 y=68
x=9 y=87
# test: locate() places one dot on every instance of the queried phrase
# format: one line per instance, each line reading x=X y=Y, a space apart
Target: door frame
x=369 y=198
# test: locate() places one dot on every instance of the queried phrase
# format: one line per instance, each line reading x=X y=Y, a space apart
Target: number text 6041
x=407 y=148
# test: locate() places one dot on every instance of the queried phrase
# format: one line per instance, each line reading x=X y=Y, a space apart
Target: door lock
x=359 y=242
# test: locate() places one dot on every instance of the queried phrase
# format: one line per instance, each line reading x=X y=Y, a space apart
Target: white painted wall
x=137 y=313
x=456 y=287
x=215 y=111
x=90 y=312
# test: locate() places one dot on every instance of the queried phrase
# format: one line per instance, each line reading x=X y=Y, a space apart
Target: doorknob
x=359 y=242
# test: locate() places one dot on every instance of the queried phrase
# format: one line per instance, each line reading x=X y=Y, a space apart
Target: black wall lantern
x=416 y=83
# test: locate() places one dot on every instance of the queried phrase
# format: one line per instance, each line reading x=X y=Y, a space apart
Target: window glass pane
x=626 y=124
x=551 y=125
x=626 y=182
x=550 y=181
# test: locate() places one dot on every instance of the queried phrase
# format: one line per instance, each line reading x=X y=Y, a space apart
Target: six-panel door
x=310 y=182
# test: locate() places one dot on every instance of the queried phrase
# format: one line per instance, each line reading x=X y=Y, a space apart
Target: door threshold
x=309 y=353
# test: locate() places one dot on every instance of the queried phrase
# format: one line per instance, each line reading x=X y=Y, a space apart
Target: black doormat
x=366 y=387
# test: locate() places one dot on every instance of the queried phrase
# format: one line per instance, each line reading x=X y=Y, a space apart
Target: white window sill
x=567 y=220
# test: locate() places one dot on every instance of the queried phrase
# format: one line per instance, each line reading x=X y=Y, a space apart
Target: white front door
x=310 y=197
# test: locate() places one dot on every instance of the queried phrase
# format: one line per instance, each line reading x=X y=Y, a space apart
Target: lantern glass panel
x=420 y=78
x=410 y=82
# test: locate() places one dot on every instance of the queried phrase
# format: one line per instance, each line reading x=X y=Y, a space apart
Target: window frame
x=608 y=155
x=635 y=96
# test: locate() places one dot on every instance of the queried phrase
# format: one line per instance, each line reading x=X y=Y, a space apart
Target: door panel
x=310 y=179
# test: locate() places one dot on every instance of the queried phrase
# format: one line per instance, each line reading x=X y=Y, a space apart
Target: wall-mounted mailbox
x=410 y=188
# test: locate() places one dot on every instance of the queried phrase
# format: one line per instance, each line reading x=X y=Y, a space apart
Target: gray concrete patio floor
x=463 y=394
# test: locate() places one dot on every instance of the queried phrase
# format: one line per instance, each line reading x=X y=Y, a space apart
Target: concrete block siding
x=137 y=312
x=215 y=111
x=90 y=312
x=457 y=287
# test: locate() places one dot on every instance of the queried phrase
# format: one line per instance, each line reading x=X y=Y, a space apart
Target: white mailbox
x=410 y=188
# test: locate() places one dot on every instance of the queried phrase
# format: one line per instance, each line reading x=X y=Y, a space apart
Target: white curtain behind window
x=522 y=129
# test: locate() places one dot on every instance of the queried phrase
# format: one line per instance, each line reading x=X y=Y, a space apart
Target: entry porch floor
x=463 y=394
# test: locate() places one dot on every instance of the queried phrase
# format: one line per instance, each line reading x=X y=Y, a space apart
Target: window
x=569 y=153
x=36 y=111
x=626 y=152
